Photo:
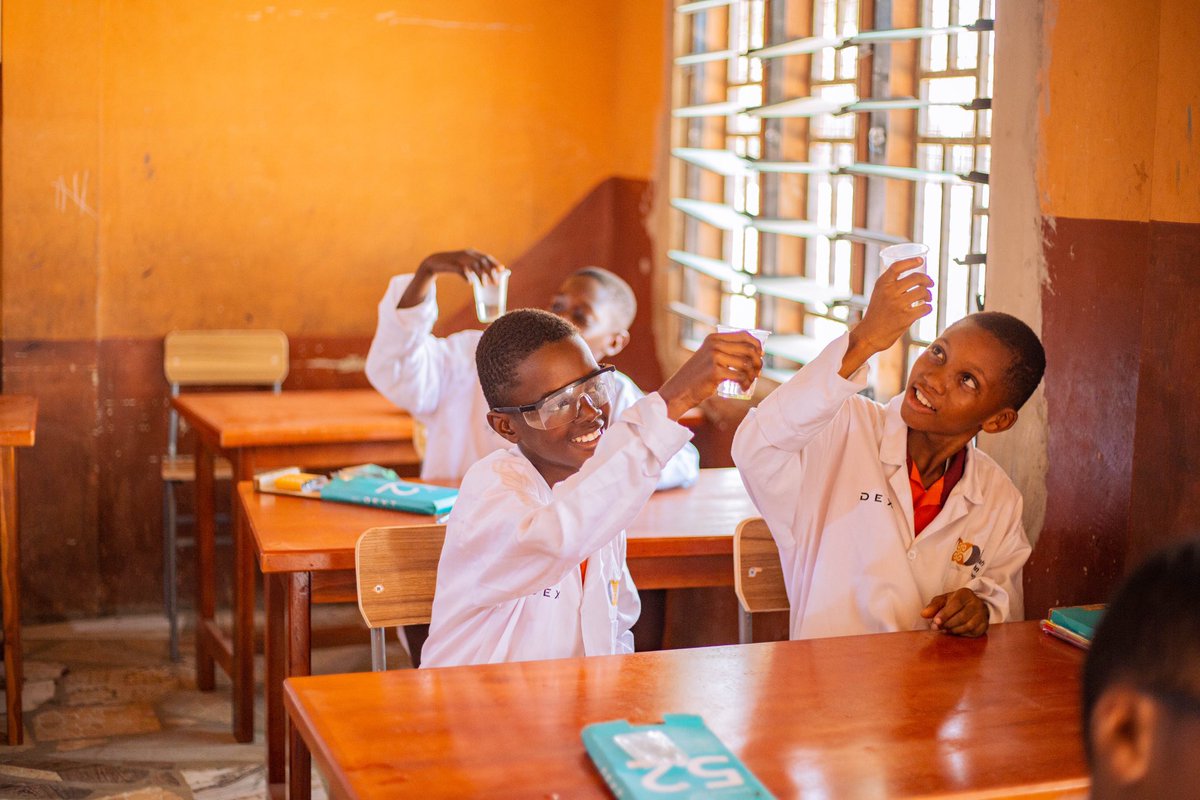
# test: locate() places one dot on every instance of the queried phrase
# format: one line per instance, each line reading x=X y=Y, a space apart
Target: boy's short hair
x=618 y=292
x=1029 y=357
x=510 y=340
x=1149 y=637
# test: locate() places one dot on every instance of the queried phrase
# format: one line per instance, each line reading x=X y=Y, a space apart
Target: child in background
x=886 y=516
x=435 y=379
x=533 y=566
x=1141 y=683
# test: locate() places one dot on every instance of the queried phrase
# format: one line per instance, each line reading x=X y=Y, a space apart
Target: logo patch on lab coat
x=968 y=555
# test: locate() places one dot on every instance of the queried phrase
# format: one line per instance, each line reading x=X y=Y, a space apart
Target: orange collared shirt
x=927 y=503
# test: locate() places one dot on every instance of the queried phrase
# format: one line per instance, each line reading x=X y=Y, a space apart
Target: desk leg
x=242 y=657
x=299 y=662
x=10 y=577
x=206 y=576
x=275 y=589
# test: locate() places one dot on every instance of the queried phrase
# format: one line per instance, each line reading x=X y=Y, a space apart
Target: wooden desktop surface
x=891 y=715
x=293 y=534
x=18 y=420
x=241 y=419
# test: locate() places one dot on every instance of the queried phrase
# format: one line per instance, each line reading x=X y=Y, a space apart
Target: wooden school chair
x=757 y=575
x=219 y=358
x=395 y=571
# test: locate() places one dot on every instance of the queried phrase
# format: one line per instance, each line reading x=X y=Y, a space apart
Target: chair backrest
x=396 y=572
x=222 y=358
x=757 y=573
x=226 y=358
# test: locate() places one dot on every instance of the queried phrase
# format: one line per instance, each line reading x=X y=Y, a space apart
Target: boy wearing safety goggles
x=533 y=566
x=434 y=378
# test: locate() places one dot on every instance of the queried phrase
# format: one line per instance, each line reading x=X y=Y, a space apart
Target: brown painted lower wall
x=90 y=494
x=1122 y=337
x=1165 y=503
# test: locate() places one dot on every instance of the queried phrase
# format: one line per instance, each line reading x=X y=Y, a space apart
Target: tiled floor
x=107 y=715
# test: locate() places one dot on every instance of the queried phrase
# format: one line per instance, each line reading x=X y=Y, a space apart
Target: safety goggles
x=561 y=406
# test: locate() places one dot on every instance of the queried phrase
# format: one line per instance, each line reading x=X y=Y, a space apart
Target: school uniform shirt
x=827 y=469
x=509 y=584
x=435 y=380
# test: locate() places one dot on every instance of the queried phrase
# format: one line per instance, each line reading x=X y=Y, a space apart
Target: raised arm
x=406 y=363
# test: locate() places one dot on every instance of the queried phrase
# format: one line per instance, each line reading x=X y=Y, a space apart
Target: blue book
x=382 y=492
x=681 y=758
x=1080 y=620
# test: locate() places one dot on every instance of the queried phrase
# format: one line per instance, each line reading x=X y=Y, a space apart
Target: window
x=808 y=134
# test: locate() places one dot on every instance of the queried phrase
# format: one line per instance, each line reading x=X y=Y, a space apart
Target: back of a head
x=616 y=291
x=509 y=341
x=1149 y=638
x=1029 y=357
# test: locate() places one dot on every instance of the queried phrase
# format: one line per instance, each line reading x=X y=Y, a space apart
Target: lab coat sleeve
x=406 y=363
x=999 y=585
x=523 y=545
x=768 y=443
x=684 y=467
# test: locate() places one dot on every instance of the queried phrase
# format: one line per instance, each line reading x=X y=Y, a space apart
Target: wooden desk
x=258 y=431
x=889 y=715
x=683 y=538
x=18 y=427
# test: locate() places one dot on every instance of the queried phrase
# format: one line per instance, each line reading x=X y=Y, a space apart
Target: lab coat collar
x=893 y=450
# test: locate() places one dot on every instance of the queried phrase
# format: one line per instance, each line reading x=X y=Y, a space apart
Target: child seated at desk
x=435 y=379
x=533 y=565
x=1141 y=682
x=886 y=517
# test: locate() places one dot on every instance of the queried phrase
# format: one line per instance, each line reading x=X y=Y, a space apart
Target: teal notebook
x=417 y=498
x=680 y=758
x=1080 y=620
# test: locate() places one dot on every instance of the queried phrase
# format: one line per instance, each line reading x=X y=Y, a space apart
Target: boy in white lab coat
x=533 y=566
x=435 y=379
x=886 y=516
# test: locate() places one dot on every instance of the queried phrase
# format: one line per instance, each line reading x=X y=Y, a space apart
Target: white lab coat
x=435 y=380
x=508 y=585
x=827 y=469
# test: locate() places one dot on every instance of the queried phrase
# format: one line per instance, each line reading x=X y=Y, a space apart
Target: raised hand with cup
x=902 y=295
x=731 y=389
x=487 y=276
x=735 y=357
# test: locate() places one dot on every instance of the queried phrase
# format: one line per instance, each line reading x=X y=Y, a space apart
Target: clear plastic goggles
x=561 y=406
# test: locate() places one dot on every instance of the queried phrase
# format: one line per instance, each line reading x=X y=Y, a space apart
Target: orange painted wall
x=1121 y=124
x=251 y=164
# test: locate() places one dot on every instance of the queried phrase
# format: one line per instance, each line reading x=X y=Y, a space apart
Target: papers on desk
x=1074 y=624
x=679 y=758
x=365 y=485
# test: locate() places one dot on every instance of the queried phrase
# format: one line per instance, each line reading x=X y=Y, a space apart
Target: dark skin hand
x=960 y=612
x=722 y=356
x=456 y=262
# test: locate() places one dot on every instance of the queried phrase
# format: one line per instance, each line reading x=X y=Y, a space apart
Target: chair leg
x=170 y=569
x=378 y=650
x=745 y=626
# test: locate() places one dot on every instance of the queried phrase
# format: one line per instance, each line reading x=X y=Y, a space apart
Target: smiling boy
x=886 y=516
x=533 y=566
x=435 y=379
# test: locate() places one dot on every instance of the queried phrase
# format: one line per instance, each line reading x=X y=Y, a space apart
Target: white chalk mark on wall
x=73 y=195
x=393 y=18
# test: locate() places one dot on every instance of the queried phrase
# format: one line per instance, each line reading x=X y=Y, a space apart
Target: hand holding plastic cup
x=732 y=389
x=491 y=296
x=899 y=252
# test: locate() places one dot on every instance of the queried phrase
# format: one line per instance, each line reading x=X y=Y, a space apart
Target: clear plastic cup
x=491 y=297
x=899 y=252
x=732 y=389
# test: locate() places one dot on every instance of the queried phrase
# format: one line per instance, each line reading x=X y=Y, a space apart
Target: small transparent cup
x=732 y=389
x=899 y=252
x=491 y=297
